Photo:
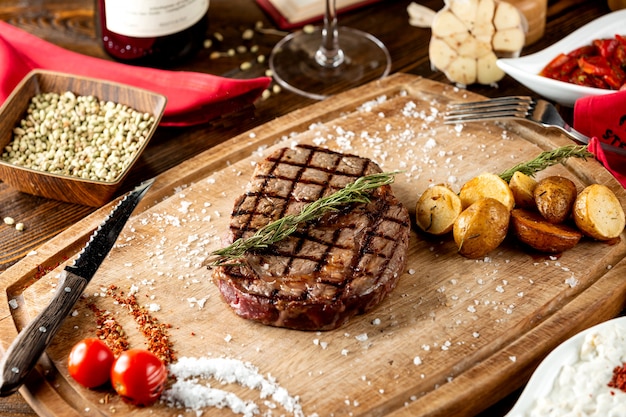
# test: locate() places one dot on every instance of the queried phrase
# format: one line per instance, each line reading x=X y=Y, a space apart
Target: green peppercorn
x=62 y=131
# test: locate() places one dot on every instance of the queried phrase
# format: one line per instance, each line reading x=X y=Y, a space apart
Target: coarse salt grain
x=361 y=337
x=184 y=206
x=193 y=301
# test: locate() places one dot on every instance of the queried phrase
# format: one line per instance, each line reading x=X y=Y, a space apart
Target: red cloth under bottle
x=192 y=97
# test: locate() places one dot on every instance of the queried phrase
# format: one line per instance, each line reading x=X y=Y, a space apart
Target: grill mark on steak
x=267 y=192
x=296 y=180
x=327 y=271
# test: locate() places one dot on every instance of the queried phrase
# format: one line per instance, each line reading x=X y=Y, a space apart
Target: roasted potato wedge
x=598 y=213
x=487 y=185
x=554 y=197
x=481 y=227
x=532 y=229
x=522 y=186
x=437 y=210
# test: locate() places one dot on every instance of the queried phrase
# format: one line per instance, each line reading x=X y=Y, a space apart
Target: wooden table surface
x=70 y=24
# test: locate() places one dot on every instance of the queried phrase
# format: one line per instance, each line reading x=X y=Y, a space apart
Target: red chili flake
x=112 y=333
x=619 y=378
x=109 y=330
x=154 y=331
x=43 y=270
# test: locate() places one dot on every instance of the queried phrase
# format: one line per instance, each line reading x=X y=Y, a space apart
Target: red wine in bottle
x=157 y=33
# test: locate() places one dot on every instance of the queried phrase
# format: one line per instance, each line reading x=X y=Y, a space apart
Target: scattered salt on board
x=190 y=393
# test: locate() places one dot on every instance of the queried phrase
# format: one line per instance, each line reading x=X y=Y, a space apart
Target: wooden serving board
x=455 y=336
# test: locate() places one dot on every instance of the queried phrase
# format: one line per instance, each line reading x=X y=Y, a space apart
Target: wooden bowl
x=66 y=187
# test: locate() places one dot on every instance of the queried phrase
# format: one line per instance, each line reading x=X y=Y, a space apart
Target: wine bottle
x=158 y=33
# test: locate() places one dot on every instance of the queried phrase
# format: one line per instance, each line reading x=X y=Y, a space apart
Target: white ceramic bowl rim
x=526 y=68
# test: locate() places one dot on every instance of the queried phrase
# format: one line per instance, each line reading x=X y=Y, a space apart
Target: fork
x=538 y=111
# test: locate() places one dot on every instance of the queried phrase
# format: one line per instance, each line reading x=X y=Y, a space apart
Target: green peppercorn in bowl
x=73 y=138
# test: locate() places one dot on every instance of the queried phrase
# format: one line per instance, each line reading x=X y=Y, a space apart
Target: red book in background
x=290 y=14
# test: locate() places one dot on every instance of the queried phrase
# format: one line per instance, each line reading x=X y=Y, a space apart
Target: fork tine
x=484 y=116
x=492 y=102
x=498 y=108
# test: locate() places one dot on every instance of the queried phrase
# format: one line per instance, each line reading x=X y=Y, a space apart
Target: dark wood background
x=70 y=24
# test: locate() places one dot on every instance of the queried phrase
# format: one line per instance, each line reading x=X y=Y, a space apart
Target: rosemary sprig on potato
x=548 y=215
x=546 y=159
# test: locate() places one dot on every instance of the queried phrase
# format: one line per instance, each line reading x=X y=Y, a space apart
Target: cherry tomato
x=90 y=362
x=138 y=376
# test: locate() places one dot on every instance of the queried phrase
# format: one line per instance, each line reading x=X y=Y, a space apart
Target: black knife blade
x=24 y=352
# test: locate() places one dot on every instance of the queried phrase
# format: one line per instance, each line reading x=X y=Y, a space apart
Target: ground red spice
x=155 y=332
x=109 y=330
x=112 y=333
x=619 y=378
x=44 y=270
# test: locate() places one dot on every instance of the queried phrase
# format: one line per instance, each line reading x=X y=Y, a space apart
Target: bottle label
x=152 y=18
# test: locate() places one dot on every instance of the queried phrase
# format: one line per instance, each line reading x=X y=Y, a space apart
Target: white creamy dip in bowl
x=573 y=379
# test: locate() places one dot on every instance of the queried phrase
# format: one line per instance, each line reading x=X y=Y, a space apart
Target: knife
x=21 y=357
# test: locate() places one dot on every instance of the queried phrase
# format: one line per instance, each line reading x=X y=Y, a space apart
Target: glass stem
x=329 y=54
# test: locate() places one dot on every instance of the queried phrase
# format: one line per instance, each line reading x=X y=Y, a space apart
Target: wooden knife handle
x=31 y=342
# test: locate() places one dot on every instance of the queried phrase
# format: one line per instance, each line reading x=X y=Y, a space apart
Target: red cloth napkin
x=603 y=118
x=192 y=97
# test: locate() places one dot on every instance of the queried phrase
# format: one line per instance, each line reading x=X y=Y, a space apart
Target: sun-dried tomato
x=619 y=57
x=600 y=64
x=560 y=68
x=606 y=47
x=595 y=65
x=587 y=50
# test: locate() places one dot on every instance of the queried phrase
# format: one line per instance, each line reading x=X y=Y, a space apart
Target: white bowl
x=567 y=353
x=526 y=69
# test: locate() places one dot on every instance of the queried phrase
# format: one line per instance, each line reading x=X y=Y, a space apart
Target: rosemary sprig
x=356 y=192
x=546 y=159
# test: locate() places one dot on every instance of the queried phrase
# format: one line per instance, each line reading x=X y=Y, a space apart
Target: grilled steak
x=327 y=271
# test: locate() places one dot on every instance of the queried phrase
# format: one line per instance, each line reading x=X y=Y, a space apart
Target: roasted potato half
x=487 y=185
x=522 y=186
x=532 y=229
x=437 y=210
x=598 y=212
x=481 y=227
x=554 y=197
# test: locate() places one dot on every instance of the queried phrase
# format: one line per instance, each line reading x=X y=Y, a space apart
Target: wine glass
x=328 y=58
